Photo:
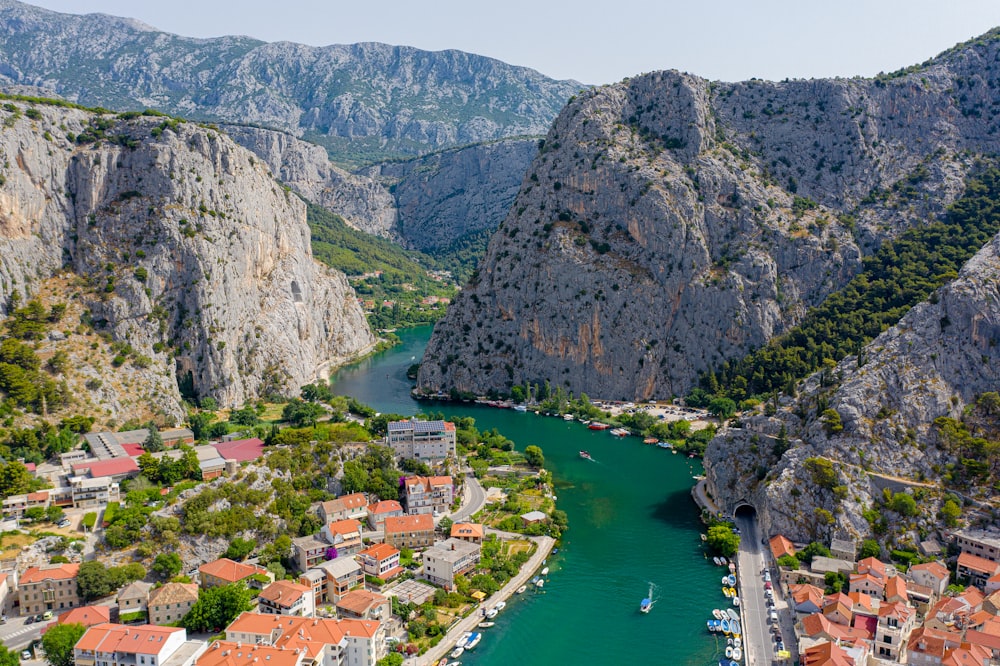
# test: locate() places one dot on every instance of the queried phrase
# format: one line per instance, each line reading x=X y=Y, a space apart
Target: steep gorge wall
x=671 y=223
x=188 y=249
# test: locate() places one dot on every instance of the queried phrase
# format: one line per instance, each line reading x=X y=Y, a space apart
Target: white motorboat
x=540 y=584
x=491 y=613
x=521 y=590
x=485 y=625
x=463 y=639
x=457 y=652
x=737 y=654
x=500 y=606
x=474 y=641
x=545 y=571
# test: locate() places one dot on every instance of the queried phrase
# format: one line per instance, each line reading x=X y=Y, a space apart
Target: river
x=631 y=522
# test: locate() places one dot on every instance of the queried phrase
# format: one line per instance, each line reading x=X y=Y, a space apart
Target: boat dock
x=432 y=656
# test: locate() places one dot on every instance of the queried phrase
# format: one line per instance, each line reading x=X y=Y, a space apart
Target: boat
x=485 y=625
x=733 y=615
x=738 y=642
x=729 y=652
x=737 y=654
x=545 y=571
x=736 y=601
x=713 y=625
x=665 y=445
x=714 y=559
x=521 y=590
x=443 y=662
x=595 y=425
x=585 y=455
x=646 y=604
x=725 y=581
x=520 y=408
x=455 y=663
x=474 y=641
x=568 y=417
x=457 y=652
x=492 y=613
x=463 y=639
x=620 y=432
x=500 y=606
x=650 y=440
x=724 y=561
x=725 y=592
x=735 y=626
x=725 y=626
x=732 y=580
x=717 y=614
x=540 y=583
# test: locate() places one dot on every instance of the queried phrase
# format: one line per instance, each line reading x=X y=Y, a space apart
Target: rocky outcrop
x=191 y=256
x=364 y=101
x=935 y=362
x=670 y=223
x=425 y=203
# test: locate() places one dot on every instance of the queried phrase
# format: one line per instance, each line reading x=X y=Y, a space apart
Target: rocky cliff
x=940 y=358
x=424 y=203
x=362 y=101
x=670 y=223
x=191 y=259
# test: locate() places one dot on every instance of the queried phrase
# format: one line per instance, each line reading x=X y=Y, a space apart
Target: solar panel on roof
x=428 y=426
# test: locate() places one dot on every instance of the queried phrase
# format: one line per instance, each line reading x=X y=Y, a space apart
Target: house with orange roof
x=170 y=602
x=379 y=511
x=873 y=566
x=991 y=603
x=471 y=532
x=415 y=531
x=344 y=535
x=976 y=569
x=283 y=597
x=867 y=583
x=895 y=622
x=324 y=641
x=950 y=611
x=428 y=494
x=88 y=616
x=992 y=583
x=353 y=506
x=826 y=654
x=225 y=571
x=967 y=655
x=807 y=598
x=429 y=441
x=364 y=605
x=119 y=645
x=839 y=609
x=229 y=653
x=895 y=590
x=980 y=543
x=340 y=575
x=928 y=647
x=989 y=641
x=381 y=561
x=47 y=588
x=781 y=546
x=930 y=574
x=818 y=627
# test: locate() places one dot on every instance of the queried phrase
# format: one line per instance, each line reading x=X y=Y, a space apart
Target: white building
x=430 y=441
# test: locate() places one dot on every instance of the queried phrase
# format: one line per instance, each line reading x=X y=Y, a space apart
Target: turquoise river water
x=632 y=521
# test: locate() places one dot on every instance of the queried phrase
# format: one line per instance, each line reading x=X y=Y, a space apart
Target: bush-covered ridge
x=902 y=273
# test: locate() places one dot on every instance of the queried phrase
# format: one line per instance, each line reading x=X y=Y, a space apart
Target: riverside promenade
x=447 y=644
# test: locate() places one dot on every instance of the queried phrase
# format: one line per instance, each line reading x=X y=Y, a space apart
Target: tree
x=869 y=548
x=53 y=513
x=723 y=540
x=951 y=512
x=217 y=607
x=724 y=408
x=533 y=454
x=812 y=550
x=301 y=413
x=199 y=423
x=14 y=479
x=7 y=657
x=904 y=504
x=834 y=581
x=245 y=416
x=58 y=642
x=94 y=581
x=153 y=441
x=167 y=565
x=35 y=513
x=788 y=561
x=391 y=659
x=445 y=525
x=239 y=548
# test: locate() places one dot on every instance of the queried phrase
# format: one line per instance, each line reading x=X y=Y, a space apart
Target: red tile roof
x=348 y=527
x=144 y=639
x=467 y=530
x=30 y=467
x=896 y=587
x=936 y=569
x=40 y=496
x=826 y=654
x=305 y=632
x=133 y=450
x=360 y=602
x=385 y=506
x=781 y=546
x=228 y=653
x=873 y=566
x=230 y=571
x=420 y=522
x=112 y=467
x=978 y=564
x=380 y=551
x=88 y=616
x=284 y=593
x=49 y=572
x=241 y=450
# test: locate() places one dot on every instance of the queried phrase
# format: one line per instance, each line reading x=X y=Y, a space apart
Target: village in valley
x=164 y=548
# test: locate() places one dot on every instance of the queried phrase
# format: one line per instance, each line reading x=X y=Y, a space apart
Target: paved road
x=17 y=635
x=475 y=498
x=756 y=631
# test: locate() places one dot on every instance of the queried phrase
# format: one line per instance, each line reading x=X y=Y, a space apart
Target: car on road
x=25 y=654
x=64 y=522
x=39 y=617
x=767 y=585
x=47 y=615
x=31 y=618
x=767 y=576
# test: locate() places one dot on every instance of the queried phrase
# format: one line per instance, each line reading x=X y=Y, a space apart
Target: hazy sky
x=602 y=42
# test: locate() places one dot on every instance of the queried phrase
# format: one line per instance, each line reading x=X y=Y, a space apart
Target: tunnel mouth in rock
x=745 y=510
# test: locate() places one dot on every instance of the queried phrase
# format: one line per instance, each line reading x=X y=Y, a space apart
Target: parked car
x=31 y=618
x=47 y=615
x=767 y=585
x=39 y=617
x=25 y=654
x=64 y=522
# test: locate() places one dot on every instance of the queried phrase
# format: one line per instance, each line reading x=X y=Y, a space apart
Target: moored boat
x=568 y=417
x=665 y=445
x=540 y=584
x=620 y=432
x=725 y=581
x=650 y=440
x=733 y=615
x=443 y=662
x=500 y=606
x=545 y=571
x=735 y=626
x=732 y=579
x=725 y=592
x=520 y=408
x=725 y=626
x=474 y=641
x=457 y=652
x=717 y=561
x=717 y=614
x=491 y=613
x=463 y=639
x=737 y=654
x=729 y=652
x=485 y=625
x=521 y=590
x=738 y=642
x=736 y=601
x=595 y=425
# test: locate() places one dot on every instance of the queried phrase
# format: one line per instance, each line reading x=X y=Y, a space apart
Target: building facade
x=448 y=559
x=428 y=494
x=283 y=597
x=170 y=602
x=48 y=588
x=430 y=441
x=410 y=531
x=381 y=561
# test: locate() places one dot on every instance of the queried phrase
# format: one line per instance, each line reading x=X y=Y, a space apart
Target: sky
x=601 y=42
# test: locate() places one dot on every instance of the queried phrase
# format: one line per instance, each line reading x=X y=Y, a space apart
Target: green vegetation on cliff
x=901 y=274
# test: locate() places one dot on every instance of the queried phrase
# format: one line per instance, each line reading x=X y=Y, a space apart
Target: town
x=379 y=579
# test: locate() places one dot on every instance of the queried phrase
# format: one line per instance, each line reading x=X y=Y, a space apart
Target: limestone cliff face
x=940 y=357
x=425 y=203
x=670 y=223
x=187 y=250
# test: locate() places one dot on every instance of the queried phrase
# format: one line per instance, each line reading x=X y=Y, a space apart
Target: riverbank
x=432 y=656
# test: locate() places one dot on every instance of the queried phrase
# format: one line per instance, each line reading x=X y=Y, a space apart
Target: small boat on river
x=585 y=455
x=733 y=615
x=594 y=425
x=521 y=590
x=474 y=641
x=457 y=652
x=485 y=625
x=647 y=604
x=732 y=580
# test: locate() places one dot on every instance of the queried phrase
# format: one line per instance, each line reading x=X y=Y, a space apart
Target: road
x=17 y=635
x=751 y=561
x=475 y=498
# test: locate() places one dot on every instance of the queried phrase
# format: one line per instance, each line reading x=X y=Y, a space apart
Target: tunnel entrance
x=745 y=510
